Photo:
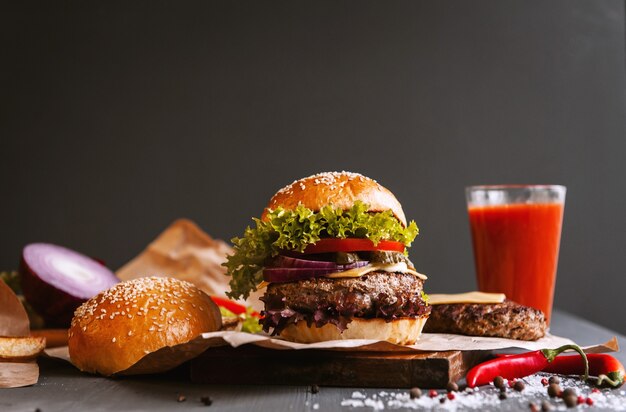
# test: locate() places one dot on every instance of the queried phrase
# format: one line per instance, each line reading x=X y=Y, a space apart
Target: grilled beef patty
x=322 y=300
x=506 y=320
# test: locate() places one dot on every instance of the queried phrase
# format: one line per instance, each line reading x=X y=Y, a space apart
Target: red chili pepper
x=609 y=370
x=232 y=306
x=517 y=366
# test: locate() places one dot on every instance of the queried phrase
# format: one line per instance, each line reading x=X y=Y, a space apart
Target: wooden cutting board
x=254 y=365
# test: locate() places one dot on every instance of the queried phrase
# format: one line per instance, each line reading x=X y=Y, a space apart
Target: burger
x=332 y=251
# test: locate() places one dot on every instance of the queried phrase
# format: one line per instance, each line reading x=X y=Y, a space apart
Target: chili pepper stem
x=614 y=379
x=550 y=354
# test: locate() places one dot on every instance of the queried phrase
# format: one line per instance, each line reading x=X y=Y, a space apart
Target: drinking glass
x=516 y=231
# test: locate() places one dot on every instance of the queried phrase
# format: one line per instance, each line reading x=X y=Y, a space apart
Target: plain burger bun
x=404 y=331
x=339 y=189
x=118 y=327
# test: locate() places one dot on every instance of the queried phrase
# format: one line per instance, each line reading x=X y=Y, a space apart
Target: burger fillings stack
x=332 y=250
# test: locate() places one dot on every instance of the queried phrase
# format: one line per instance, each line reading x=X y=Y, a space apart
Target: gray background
x=117 y=118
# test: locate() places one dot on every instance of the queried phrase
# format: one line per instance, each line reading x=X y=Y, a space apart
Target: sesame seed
x=324 y=179
x=113 y=340
x=147 y=289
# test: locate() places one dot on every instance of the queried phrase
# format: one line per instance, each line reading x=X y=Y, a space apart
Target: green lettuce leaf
x=249 y=322
x=296 y=229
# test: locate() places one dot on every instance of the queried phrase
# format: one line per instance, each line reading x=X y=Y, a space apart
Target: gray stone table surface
x=62 y=388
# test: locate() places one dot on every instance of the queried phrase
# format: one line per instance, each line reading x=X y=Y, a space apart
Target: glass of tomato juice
x=516 y=231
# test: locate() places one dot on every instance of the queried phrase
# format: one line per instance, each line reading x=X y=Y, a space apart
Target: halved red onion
x=56 y=280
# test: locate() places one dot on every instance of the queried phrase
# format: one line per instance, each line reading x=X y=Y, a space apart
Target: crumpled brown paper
x=185 y=252
x=13 y=317
x=14 y=323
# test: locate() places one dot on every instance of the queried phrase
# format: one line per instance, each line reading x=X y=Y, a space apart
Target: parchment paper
x=427 y=342
x=169 y=357
x=16 y=375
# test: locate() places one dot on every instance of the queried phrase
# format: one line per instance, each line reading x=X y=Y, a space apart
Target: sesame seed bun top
x=115 y=329
x=339 y=189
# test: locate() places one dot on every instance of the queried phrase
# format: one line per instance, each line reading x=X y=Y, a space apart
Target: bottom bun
x=404 y=331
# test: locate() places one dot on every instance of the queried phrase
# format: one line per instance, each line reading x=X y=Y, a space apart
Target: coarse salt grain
x=487 y=397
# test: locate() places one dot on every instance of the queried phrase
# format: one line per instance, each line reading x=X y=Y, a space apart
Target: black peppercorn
x=570 y=392
x=315 y=389
x=415 y=393
x=554 y=379
x=554 y=390
x=502 y=396
x=519 y=386
x=452 y=387
x=571 y=401
x=546 y=406
x=206 y=400
x=498 y=382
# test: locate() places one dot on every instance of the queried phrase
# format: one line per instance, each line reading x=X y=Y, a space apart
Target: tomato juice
x=516 y=249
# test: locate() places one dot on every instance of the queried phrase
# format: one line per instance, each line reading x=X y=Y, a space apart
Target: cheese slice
x=468 y=297
x=384 y=267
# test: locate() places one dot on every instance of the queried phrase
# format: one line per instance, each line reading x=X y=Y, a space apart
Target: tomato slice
x=329 y=245
x=232 y=306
